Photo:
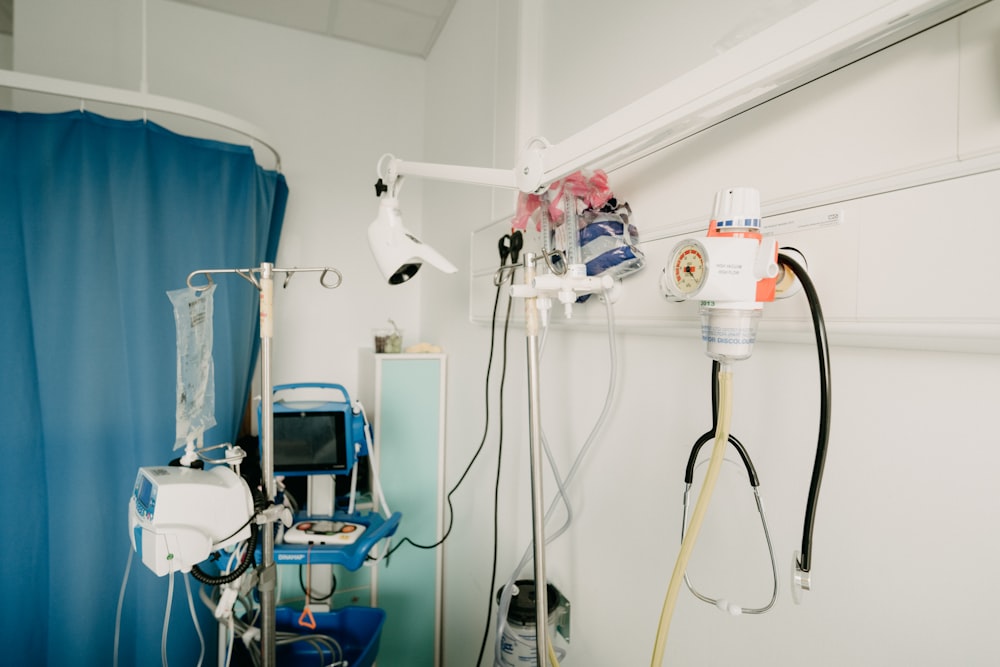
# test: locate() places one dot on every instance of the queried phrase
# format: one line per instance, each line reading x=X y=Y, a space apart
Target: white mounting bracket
x=567 y=288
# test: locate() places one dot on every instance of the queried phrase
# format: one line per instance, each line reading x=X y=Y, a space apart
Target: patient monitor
x=314 y=433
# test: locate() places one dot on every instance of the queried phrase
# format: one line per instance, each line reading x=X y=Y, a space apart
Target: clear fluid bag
x=193 y=311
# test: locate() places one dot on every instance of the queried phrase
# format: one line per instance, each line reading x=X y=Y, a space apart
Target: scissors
x=510 y=245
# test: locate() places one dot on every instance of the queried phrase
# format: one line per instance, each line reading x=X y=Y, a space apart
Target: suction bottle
x=732 y=272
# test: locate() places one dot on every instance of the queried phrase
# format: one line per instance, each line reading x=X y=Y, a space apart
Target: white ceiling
x=403 y=26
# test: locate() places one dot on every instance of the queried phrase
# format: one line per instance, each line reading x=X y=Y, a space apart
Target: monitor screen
x=310 y=442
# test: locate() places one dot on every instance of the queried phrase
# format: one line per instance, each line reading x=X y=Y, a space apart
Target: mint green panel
x=352 y=587
x=408 y=417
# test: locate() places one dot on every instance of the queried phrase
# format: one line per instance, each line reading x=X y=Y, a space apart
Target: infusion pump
x=178 y=516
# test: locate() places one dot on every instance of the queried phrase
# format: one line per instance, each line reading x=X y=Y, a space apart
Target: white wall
x=598 y=59
x=6 y=51
x=6 y=62
x=907 y=492
x=903 y=545
x=100 y=40
x=475 y=128
x=331 y=108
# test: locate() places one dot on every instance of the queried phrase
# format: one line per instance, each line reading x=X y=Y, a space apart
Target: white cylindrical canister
x=517 y=644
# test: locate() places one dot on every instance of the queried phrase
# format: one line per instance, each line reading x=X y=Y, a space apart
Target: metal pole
x=535 y=446
x=267 y=572
x=267 y=575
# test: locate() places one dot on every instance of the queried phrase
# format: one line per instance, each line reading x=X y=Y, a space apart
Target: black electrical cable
x=245 y=562
x=823 y=350
x=509 y=247
x=496 y=488
x=482 y=442
x=237 y=531
x=249 y=558
x=308 y=591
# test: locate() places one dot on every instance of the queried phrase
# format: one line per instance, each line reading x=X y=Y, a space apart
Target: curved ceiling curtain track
x=137 y=100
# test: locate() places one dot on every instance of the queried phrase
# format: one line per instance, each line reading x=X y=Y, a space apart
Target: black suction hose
x=823 y=350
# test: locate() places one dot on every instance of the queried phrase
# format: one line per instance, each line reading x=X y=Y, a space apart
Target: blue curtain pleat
x=99 y=218
x=25 y=546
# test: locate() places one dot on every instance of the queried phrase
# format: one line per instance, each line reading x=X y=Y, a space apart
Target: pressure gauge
x=686 y=272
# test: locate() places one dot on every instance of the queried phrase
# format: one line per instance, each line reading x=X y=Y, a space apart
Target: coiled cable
x=245 y=562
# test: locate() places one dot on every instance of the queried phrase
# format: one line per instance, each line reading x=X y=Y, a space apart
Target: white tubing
x=121 y=603
x=166 y=618
x=354 y=484
x=700 y=508
x=194 y=617
x=374 y=466
x=507 y=593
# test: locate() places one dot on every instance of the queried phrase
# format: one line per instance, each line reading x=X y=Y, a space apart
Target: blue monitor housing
x=315 y=437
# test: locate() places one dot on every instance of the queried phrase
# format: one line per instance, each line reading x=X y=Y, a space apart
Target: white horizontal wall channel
x=903 y=146
x=883 y=279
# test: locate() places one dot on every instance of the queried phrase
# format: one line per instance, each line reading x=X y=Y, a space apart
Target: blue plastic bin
x=357 y=630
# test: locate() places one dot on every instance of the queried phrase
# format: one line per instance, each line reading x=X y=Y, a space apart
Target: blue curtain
x=99 y=218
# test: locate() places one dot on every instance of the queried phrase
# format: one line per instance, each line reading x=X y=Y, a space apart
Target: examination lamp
x=397 y=252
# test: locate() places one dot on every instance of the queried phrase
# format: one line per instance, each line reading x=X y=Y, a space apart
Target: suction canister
x=732 y=271
x=517 y=645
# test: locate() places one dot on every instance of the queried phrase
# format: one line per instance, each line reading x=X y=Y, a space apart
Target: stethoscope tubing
x=755 y=485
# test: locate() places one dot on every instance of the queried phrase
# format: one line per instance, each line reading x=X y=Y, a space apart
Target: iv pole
x=267 y=572
x=535 y=450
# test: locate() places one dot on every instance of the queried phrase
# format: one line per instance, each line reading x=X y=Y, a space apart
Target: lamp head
x=398 y=253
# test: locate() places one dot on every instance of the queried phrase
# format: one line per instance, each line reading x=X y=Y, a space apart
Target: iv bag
x=193 y=309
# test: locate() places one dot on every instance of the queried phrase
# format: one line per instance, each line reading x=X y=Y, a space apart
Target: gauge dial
x=688 y=267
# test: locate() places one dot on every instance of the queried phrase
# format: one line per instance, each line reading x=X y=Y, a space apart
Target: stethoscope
x=722 y=603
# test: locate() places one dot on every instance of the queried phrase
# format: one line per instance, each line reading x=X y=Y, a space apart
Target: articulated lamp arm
x=526 y=176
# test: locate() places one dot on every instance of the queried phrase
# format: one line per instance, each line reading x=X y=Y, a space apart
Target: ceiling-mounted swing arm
x=526 y=176
x=805 y=45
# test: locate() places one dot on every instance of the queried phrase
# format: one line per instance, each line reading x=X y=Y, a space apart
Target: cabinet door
x=409 y=428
